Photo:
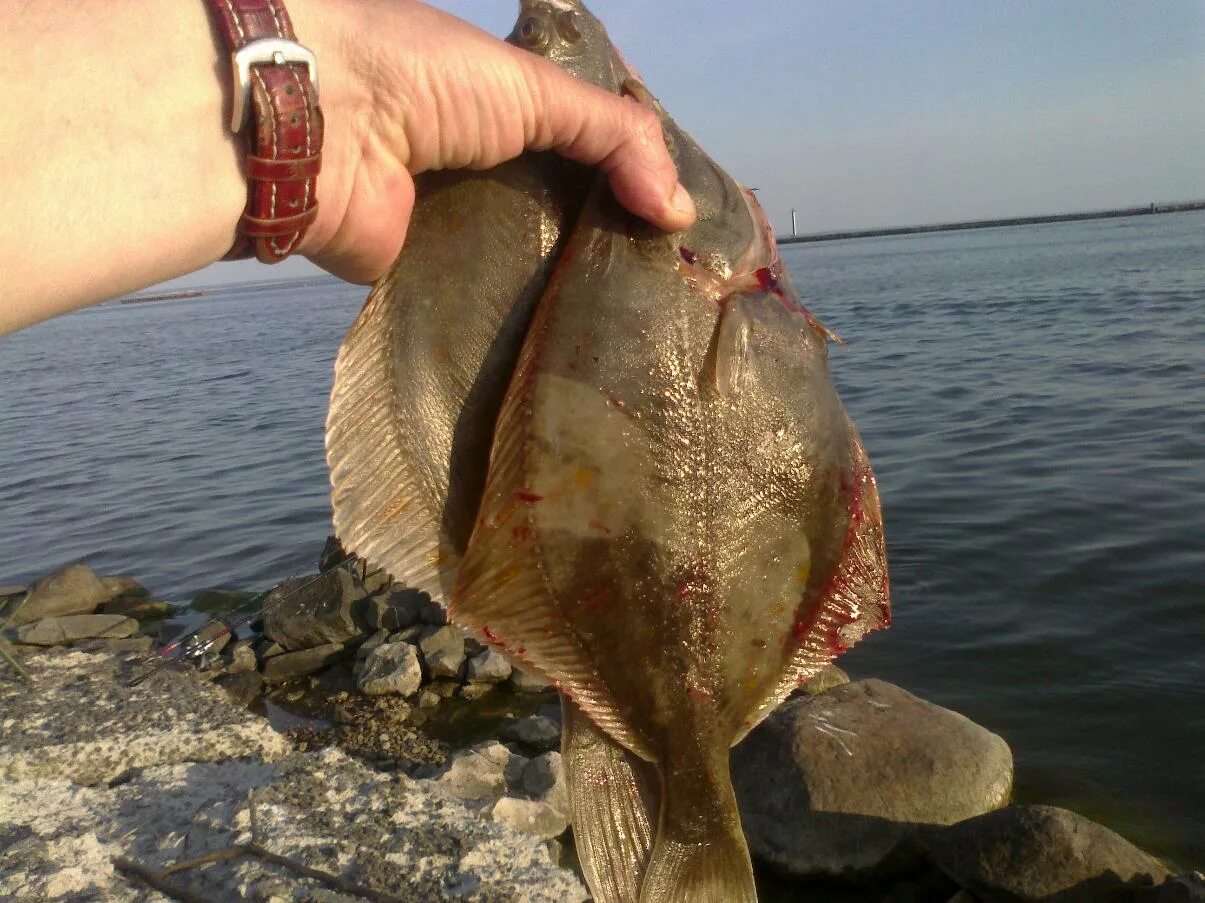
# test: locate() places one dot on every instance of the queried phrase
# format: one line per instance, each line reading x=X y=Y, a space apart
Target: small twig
x=12 y=660
x=157 y=878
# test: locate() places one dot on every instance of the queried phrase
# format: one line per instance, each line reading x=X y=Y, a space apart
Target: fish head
x=566 y=33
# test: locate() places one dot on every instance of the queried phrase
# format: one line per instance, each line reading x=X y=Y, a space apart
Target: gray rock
x=239 y=656
x=488 y=667
x=844 y=782
x=478 y=772
x=516 y=765
x=126 y=587
x=8 y=591
x=535 y=730
x=266 y=649
x=243 y=687
x=140 y=609
x=1043 y=853
x=534 y=817
x=74 y=590
x=830 y=676
x=443 y=687
x=412 y=634
x=309 y=612
x=64 y=631
x=391 y=668
x=544 y=774
x=84 y=726
x=443 y=652
x=291 y=665
x=434 y=613
x=528 y=682
x=220 y=601
x=429 y=699
x=396 y=611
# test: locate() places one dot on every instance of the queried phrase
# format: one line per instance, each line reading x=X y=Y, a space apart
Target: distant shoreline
x=1149 y=210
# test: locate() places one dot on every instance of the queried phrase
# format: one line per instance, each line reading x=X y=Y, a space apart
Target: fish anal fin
x=380 y=512
x=613 y=800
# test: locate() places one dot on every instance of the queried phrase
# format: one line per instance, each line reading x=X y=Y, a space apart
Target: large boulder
x=306 y=612
x=75 y=628
x=844 y=783
x=1043 y=853
x=74 y=590
x=292 y=665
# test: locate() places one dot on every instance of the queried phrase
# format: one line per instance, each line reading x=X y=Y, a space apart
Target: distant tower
x=794 y=233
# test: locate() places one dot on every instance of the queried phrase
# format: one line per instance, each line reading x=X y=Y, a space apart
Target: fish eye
x=533 y=34
x=566 y=24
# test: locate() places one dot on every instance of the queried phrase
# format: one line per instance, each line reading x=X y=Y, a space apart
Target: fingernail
x=682 y=202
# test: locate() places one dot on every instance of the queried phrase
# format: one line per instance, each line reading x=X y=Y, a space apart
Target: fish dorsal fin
x=500 y=588
x=380 y=505
x=856 y=599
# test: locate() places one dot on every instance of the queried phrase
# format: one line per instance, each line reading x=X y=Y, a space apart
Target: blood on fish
x=688 y=255
x=489 y=634
x=524 y=496
x=597 y=526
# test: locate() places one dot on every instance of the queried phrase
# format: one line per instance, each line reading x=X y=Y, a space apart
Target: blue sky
x=861 y=114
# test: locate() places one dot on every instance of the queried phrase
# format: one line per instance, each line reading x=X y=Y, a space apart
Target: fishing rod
x=190 y=645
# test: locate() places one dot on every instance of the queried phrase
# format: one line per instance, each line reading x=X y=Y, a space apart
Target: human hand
x=407 y=88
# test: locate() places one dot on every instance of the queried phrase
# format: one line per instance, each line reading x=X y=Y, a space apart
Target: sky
x=862 y=114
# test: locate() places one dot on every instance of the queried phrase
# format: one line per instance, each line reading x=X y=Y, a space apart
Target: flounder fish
x=679 y=523
x=419 y=378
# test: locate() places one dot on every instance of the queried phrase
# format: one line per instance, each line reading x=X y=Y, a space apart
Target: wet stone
x=125 y=586
x=443 y=652
x=473 y=692
x=311 y=612
x=74 y=590
x=488 y=667
x=396 y=611
x=527 y=682
x=543 y=773
x=291 y=665
x=391 y=668
x=534 y=817
x=535 y=730
x=8 y=591
x=140 y=609
x=220 y=601
x=68 y=629
x=239 y=656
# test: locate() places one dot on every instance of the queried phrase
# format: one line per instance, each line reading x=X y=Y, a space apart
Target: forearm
x=119 y=169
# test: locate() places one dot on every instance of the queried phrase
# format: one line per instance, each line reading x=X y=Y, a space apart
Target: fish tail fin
x=700 y=855
x=613 y=804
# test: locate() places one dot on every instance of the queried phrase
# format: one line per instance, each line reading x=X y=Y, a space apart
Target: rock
x=516 y=765
x=306 y=611
x=488 y=667
x=291 y=665
x=126 y=587
x=528 y=682
x=433 y=613
x=843 y=783
x=83 y=725
x=443 y=687
x=266 y=649
x=220 y=601
x=397 y=611
x=70 y=629
x=214 y=635
x=243 y=687
x=830 y=676
x=544 y=774
x=412 y=634
x=443 y=652
x=239 y=656
x=473 y=692
x=332 y=555
x=535 y=730
x=429 y=699
x=391 y=668
x=1043 y=853
x=534 y=817
x=1180 y=889
x=74 y=590
x=478 y=772
x=139 y=609
x=9 y=591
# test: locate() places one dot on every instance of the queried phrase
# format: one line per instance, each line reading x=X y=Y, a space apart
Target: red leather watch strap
x=284 y=136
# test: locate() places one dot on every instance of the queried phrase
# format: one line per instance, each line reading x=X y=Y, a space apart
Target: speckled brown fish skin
x=680 y=523
x=421 y=375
